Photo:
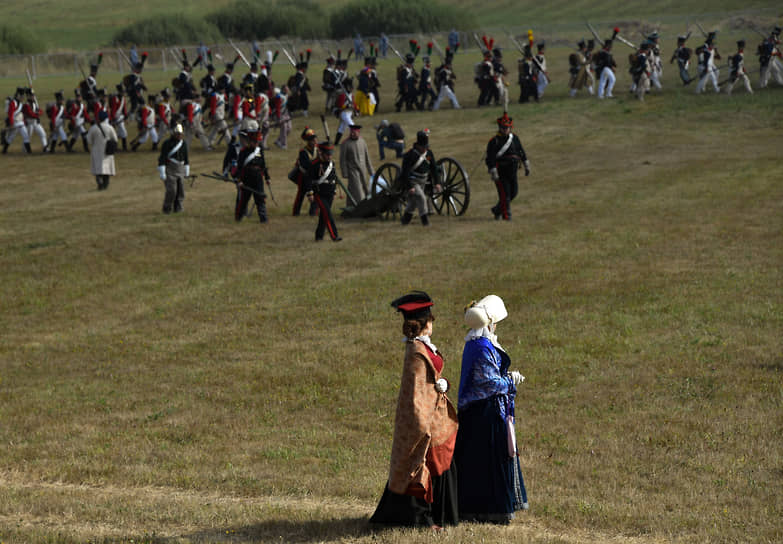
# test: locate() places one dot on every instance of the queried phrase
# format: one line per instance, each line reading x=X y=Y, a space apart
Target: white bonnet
x=489 y=309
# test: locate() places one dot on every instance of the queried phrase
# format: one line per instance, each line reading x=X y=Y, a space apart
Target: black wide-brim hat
x=413 y=305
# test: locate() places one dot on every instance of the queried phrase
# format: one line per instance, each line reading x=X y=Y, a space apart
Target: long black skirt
x=406 y=511
x=490 y=483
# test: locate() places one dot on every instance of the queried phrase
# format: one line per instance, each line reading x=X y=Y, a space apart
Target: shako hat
x=326 y=147
x=308 y=134
x=505 y=121
x=414 y=305
x=486 y=311
x=741 y=44
x=423 y=137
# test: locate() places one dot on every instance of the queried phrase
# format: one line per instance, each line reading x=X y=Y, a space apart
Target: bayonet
x=239 y=52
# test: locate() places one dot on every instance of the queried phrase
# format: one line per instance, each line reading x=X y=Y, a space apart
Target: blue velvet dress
x=490 y=483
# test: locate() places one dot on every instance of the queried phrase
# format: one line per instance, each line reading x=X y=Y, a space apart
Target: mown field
x=189 y=379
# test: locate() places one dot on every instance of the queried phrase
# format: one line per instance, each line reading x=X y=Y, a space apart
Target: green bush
x=372 y=17
x=250 y=21
x=16 y=41
x=168 y=30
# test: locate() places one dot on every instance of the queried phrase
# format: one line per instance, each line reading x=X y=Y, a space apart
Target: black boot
x=124 y=144
x=99 y=182
x=105 y=182
x=52 y=145
x=154 y=146
x=262 y=212
x=27 y=147
x=135 y=146
x=425 y=220
x=69 y=145
x=406 y=218
x=5 y=148
x=84 y=143
x=337 y=138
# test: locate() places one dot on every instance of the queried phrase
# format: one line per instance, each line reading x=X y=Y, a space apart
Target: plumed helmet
x=409 y=58
x=178 y=129
x=308 y=134
x=423 y=138
x=505 y=120
x=486 y=311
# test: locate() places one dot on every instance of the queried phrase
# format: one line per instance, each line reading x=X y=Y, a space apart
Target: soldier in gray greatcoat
x=355 y=164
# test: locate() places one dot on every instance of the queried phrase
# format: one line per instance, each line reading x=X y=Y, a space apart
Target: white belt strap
x=326 y=173
x=505 y=146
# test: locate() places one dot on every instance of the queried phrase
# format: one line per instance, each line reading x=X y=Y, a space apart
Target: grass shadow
x=287 y=531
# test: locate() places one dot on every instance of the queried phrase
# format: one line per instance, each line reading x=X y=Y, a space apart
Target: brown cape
x=425 y=420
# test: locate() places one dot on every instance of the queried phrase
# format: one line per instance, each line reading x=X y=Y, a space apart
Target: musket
x=125 y=57
x=30 y=83
x=394 y=49
x=240 y=185
x=727 y=80
x=757 y=31
x=478 y=42
x=626 y=42
x=241 y=56
x=287 y=54
x=595 y=34
x=437 y=48
x=701 y=29
x=192 y=179
x=522 y=50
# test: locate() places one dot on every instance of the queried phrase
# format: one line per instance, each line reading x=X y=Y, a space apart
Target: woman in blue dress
x=490 y=484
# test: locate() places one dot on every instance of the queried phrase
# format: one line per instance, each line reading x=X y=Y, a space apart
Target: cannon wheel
x=385 y=185
x=455 y=194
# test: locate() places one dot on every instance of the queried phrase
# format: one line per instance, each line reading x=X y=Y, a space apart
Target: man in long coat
x=355 y=164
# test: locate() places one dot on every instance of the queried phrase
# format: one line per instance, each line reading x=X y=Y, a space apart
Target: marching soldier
x=656 y=66
x=498 y=90
x=321 y=185
x=227 y=79
x=15 y=121
x=683 y=56
x=134 y=84
x=641 y=70
x=77 y=115
x=769 y=55
x=406 y=84
x=299 y=86
x=527 y=77
x=419 y=167
x=250 y=172
x=32 y=118
x=173 y=169
x=485 y=78
x=280 y=115
x=425 y=84
x=707 y=55
x=542 y=79
x=504 y=157
x=163 y=114
x=738 y=73
x=329 y=83
x=208 y=83
x=590 y=68
x=345 y=109
x=365 y=102
x=146 y=124
x=444 y=79
x=299 y=173
x=118 y=112
x=605 y=66
x=217 y=116
x=578 y=69
x=56 y=114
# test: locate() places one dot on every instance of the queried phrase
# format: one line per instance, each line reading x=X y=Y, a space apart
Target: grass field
x=189 y=379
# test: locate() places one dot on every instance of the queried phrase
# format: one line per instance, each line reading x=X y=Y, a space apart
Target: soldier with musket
x=578 y=69
x=250 y=172
x=504 y=157
x=406 y=84
x=299 y=86
x=682 y=55
x=707 y=55
x=320 y=184
x=528 y=87
x=134 y=84
x=738 y=73
x=641 y=70
x=605 y=66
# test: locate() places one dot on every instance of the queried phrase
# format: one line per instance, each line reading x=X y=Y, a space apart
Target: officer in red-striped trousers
x=321 y=180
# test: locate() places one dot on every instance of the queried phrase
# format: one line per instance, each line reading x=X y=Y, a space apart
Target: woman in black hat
x=422 y=486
